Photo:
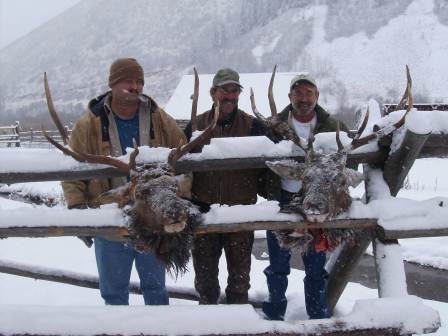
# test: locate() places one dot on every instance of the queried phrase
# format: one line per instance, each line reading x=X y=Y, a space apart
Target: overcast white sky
x=19 y=17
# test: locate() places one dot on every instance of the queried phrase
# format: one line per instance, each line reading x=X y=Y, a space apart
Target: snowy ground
x=70 y=254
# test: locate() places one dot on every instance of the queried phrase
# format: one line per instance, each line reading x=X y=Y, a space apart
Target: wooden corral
x=9 y=136
x=388 y=108
x=395 y=168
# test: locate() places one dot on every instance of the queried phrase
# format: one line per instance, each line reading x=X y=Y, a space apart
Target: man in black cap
x=304 y=115
x=225 y=187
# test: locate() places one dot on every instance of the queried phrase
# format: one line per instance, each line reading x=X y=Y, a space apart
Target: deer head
x=325 y=178
x=159 y=220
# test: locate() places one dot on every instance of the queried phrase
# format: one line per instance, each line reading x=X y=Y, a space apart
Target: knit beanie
x=124 y=68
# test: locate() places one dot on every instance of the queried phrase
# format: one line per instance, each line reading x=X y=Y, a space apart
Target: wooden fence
x=14 y=136
x=36 y=138
x=394 y=166
x=9 y=136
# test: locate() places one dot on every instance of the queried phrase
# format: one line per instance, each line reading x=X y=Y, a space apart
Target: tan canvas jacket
x=88 y=136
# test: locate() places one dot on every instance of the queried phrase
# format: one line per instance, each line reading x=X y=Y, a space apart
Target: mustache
x=141 y=97
x=131 y=91
x=297 y=106
x=233 y=101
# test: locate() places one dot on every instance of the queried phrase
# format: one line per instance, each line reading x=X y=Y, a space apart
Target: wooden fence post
x=349 y=255
x=390 y=273
x=17 y=134
x=400 y=162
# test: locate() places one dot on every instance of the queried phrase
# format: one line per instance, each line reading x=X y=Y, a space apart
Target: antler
x=177 y=153
x=407 y=97
x=194 y=104
x=53 y=113
x=277 y=126
x=355 y=138
x=272 y=105
x=254 y=108
x=78 y=156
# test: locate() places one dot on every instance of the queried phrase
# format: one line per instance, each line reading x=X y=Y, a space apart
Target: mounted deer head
x=159 y=220
x=325 y=178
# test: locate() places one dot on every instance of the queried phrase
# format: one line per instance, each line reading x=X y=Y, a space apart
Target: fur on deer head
x=159 y=220
x=325 y=178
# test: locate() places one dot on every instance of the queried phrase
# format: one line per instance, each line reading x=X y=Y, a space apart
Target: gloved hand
x=86 y=240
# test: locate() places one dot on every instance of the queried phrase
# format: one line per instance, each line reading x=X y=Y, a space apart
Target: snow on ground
x=70 y=254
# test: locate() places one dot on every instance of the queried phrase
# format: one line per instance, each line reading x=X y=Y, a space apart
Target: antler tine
x=338 y=139
x=177 y=153
x=194 y=104
x=357 y=140
x=310 y=141
x=254 y=107
x=409 y=98
x=53 y=112
x=272 y=105
x=84 y=157
x=77 y=156
x=404 y=98
x=81 y=157
x=389 y=129
x=133 y=156
x=363 y=125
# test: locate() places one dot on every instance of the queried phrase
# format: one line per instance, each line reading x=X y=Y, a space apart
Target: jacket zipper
x=220 y=175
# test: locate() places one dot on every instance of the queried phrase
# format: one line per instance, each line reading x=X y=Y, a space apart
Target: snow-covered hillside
x=355 y=49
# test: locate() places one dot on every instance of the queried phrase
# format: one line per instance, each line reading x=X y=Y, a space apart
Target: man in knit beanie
x=111 y=123
x=126 y=79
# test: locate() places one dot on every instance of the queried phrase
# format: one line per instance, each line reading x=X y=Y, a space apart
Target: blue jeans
x=277 y=272
x=114 y=262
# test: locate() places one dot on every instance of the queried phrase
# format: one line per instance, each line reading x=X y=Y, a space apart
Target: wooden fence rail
x=396 y=167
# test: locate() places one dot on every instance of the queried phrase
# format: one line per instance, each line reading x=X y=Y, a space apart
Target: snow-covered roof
x=179 y=105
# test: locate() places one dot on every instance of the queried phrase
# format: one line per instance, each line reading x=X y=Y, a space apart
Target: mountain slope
x=356 y=49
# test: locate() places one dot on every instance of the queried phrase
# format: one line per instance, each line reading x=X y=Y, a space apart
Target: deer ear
x=354 y=178
x=288 y=169
x=121 y=195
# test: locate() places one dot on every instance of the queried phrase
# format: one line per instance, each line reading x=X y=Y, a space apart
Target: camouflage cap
x=226 y=76
x=302 y=78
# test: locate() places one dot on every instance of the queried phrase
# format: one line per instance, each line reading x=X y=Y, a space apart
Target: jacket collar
x=321 y=114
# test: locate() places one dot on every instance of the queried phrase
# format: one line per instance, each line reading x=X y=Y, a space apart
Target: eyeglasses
x=230 y=91
x=307 y=94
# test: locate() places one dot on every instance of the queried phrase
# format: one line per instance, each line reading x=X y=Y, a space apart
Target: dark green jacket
x=325 y=123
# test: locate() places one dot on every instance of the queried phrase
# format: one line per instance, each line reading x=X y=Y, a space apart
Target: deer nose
x=314 y=207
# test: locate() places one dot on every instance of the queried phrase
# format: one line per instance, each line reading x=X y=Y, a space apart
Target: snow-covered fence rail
x=67 y=169
x=81 y=280
x=29 y=165
x=110 y=221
